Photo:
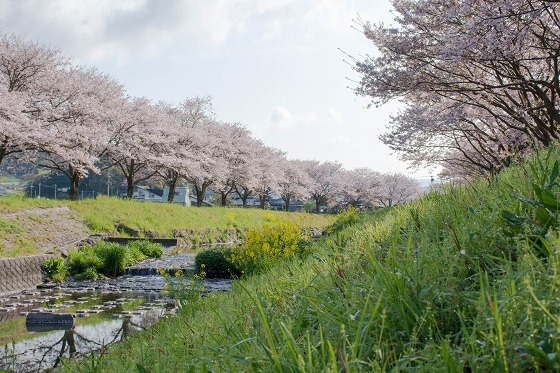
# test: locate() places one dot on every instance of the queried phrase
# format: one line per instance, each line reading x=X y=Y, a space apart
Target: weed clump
x=216 y=263
x=110 y=259
x=54 y=269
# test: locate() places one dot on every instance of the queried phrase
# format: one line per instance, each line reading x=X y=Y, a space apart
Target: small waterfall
x=171 y=264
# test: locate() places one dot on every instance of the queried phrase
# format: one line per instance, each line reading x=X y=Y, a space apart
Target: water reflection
x=48 y=348
x=106 y=311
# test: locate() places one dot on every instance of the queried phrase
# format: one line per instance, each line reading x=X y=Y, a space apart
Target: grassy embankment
x=25 y=226
x=447 y=283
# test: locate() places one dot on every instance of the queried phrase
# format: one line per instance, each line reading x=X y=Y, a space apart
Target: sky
x=279 y=67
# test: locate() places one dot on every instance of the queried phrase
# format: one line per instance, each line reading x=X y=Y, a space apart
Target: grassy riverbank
x=464 y=279
x=30 y=226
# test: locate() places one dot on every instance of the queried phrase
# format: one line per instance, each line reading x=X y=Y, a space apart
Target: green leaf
x=141 y=369
x=538 y=191
x=512 y=218
x=545 y=217
x=549 y=200
x=554 y=174
x=532 y=202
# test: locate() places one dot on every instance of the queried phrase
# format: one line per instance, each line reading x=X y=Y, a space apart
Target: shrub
x=266 y=245
x=345 y=218
x=89 y=274
x=114 y=257
x=55 y=269
x=80 y=261
x=109 y=258
x=133 y=255
x=215 y=263
x=148 y=248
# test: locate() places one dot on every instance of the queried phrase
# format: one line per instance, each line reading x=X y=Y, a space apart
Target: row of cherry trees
x=76 y=120
x=478 y=78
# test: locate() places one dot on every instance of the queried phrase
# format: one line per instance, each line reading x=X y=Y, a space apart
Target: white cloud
x=338 y=142
x=335 y=115
x=282 y=119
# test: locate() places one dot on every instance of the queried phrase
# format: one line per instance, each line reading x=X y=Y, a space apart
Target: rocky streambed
x=105 y=311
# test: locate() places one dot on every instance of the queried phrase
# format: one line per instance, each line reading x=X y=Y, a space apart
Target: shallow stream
x=106 y=311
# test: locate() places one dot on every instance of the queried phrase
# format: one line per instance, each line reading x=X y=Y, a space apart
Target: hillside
x=465 y=279
x=32 y=226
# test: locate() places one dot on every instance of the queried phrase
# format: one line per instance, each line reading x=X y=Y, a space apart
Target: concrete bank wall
x=21 y=273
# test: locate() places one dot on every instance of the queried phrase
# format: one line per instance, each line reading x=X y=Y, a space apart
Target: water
x=106 y=312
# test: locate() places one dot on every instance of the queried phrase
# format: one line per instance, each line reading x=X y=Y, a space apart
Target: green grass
x=442 y=284
x=126 y=218
x=166 y=220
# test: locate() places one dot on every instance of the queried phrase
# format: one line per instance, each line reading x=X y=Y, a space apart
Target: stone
x=47 y=318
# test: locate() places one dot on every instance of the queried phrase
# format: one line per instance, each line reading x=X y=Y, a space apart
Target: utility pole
x=108 y=184
x=39 y=190
x=54 y=191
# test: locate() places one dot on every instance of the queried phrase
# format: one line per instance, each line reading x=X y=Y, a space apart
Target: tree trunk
x=2 y=153
x=244 y=199
x=199 y=195
x=130 y=180
x=129 y=186
x=287 y=204
x=317 y=205
x=74 y=183
x=263 y=201
x=224 y=198
x=172 y=184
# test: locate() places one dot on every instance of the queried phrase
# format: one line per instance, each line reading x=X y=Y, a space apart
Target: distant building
x=279 y=204
x=145 y=194
x=182 y=195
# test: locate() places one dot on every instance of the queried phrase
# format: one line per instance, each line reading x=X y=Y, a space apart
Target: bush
x=88 y=274
x=109 y=258
x=345 y=218
x=80 y=261
x=55 y=269
x=266 y=245
x=115 y=257
x=148 y=248
x=215 y=263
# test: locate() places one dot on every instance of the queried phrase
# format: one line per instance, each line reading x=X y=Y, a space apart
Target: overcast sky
x=273 y=65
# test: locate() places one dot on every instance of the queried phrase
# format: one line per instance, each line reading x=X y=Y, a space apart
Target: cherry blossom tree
x=251 y=175
x=326 y=177
x=295 y=182
x=214 y=169
x=359 y=187
x=178 y=148
x=78 y=111
x=135 y=145
x=457 y=136
x=395 y=188
x=269 y=173
x=498 y=57
x=197 y=115
x=23 y=67
x=239 y=146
